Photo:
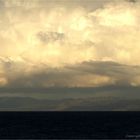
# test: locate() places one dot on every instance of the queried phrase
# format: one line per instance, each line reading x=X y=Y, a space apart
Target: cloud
x=85 y=104
x=108 y=28
x=49 y=36
x=70 y=46
x=86 y=74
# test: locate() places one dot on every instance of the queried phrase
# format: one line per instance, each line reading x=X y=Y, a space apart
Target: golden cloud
x=57 y=37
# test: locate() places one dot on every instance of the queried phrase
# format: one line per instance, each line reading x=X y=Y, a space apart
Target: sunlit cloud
x=38 y=36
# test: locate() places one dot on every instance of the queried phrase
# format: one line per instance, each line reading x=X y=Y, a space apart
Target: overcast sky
x=69 y=43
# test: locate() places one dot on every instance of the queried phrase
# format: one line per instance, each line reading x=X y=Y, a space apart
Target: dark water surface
x=76 y=125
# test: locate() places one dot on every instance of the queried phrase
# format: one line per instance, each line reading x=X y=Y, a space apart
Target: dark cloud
x=122 y=73
x=86 y=74
x=87 y=104
x=131 y=0
x=50 y=36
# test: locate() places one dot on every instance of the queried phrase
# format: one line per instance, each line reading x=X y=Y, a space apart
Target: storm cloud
x=86 y=74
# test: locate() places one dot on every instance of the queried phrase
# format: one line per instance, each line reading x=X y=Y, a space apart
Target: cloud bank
x=65 y=44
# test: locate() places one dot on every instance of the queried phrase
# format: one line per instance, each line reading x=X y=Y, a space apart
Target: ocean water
x=70 y=125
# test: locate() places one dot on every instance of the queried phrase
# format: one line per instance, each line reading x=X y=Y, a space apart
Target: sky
x=69 y=44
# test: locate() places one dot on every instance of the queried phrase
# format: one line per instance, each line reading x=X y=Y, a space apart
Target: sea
x=70 y=125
